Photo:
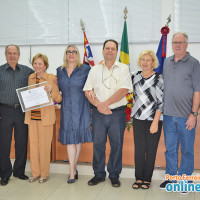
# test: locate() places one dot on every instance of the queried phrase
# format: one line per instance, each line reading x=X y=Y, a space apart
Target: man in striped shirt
x=12 y=76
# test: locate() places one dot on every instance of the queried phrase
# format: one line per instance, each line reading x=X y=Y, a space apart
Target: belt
x=11 y=105
x=119 y=108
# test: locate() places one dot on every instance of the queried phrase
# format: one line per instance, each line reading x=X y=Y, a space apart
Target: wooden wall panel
x=59 y=151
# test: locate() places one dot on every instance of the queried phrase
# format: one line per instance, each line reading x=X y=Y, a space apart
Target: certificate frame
x=27 y=99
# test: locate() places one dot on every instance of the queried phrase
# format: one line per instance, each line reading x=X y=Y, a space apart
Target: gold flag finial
x=168 y=20
x=125 y=13
x=82 y=24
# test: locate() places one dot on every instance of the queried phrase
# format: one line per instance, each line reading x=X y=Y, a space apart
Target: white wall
x=55 y=52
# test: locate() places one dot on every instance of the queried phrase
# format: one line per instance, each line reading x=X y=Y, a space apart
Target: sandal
x=147 y=185
x=136 y=184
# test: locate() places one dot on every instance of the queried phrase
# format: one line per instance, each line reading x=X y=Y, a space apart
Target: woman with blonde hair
x=40 y=121
x=147 y=119
x=75 y=108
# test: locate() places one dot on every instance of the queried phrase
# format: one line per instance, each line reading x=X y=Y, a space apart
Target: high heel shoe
x=71 y=180
x=76 y=175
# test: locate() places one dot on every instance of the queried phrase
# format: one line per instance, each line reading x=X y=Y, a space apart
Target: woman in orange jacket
x=40 y=121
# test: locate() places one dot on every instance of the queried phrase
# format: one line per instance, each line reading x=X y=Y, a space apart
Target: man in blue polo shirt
x=181 y=74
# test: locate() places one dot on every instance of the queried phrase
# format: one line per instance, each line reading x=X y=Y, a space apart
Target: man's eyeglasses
x=178 y=43
x=68 y=52
x=108 y=77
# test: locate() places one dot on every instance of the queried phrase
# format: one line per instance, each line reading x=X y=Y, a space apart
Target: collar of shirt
x=184 y=59
x=44 y=76
x=9 y=67
x=116 y=64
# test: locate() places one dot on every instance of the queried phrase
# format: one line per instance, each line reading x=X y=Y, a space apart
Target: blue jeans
x=114 y=126
x=176 y=133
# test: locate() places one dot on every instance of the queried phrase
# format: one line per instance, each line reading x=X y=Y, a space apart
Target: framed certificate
x=34 y=96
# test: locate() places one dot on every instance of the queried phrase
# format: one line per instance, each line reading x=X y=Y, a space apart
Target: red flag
x=88 y=57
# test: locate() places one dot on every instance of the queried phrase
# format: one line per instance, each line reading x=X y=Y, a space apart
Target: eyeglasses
x=68 y=52
x=108 y=77
x=178 y=43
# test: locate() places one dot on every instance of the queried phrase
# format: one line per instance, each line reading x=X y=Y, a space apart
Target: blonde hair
x=152 y=54
x=43 y=57
x=78 y=62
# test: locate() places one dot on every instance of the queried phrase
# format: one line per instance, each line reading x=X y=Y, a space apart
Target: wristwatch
x=195 y=113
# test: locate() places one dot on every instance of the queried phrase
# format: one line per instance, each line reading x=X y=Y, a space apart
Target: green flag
x=124 y=51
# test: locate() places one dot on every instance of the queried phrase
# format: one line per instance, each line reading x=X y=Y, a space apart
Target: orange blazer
x=48 y=114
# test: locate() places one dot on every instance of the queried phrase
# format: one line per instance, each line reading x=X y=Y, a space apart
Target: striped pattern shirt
x=148 y=96
x=36 y=114
x=10 y=80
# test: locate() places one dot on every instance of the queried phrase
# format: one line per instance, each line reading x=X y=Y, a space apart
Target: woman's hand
x=48 y=88
x=153 y=127
x=92 y=95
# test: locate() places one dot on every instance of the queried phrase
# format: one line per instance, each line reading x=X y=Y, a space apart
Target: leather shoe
x=22 y=177
x=4 y=181
x=71 y=180
x=76 y=175
x=95 y=180
x=115 y=182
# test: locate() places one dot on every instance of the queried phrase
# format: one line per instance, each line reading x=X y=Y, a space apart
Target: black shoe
x=95 y=180
x=115 y=182
x=22 y=177
x=71 y=180
x=76 y=175
x=4 y=181
x=163 y=185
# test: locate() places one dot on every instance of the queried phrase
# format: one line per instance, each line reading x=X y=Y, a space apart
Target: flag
x=88 y=57
x=124 y=51
x=124 y=58
x=162 y=49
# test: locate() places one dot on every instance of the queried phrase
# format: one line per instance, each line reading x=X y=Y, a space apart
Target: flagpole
x=82 y=25
x=125 y=13
x=168 y=20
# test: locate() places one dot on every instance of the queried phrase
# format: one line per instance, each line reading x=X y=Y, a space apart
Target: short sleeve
x=126 y=79
x=89 y=84
x=195 y=77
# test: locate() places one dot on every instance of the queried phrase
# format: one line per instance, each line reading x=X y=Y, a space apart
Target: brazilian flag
x=124 y=51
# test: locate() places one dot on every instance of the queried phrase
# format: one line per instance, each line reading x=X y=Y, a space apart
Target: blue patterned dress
x=75 y=108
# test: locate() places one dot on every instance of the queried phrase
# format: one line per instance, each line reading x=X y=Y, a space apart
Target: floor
x=57 y=188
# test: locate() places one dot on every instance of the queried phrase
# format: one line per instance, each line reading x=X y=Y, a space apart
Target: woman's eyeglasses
x=68 y=52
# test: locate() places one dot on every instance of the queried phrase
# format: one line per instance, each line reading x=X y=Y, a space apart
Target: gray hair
x=182 y=33
x=6 y=48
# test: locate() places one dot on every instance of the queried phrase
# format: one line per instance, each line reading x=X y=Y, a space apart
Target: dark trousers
x=145 y=148
x=12 y=118
x=114 y=126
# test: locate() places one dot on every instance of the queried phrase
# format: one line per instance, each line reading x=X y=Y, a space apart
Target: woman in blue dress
x=75 y=108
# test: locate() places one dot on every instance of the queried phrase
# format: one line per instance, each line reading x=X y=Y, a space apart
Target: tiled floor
x=57 y=188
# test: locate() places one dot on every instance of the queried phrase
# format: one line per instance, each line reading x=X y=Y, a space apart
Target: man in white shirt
x=110 y=81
